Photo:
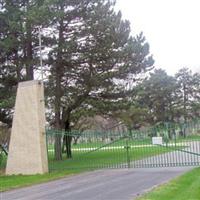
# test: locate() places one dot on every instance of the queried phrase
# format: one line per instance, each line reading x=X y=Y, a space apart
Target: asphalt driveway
x=117 y=184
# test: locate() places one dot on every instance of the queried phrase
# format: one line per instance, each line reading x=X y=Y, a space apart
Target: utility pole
x=40 y=49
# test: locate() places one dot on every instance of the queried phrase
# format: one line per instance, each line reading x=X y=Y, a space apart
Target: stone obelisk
x=27 y=148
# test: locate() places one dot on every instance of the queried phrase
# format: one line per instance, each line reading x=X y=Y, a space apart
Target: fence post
x=127 y=152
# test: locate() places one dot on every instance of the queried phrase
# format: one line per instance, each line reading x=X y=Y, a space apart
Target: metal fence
x=164 y=145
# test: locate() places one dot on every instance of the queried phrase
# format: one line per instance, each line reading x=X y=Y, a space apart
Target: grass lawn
x=113 y=144
x=189 y=138
x=114 y=155
x=82 y=161
x=16 y=181
x=185 y=187
x=90 y=156
x=108 y=158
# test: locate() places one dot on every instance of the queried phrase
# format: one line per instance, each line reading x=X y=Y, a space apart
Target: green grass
x=84 y=160
x=189 y=138
x=81 y=162
x=112 y=155
x=185 y=187
x=17 y=181
x=2 y=162
x=131 y=142
x=116 y=143
x=112 y=144
x=105 y=158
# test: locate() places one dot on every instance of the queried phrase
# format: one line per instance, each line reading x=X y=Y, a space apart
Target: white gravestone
x=157 y=140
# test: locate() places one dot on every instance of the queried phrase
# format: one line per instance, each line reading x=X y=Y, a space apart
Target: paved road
x=120 y=184
x=187 y=156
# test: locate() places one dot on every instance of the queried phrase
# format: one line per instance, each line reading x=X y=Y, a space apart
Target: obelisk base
x=27 y=149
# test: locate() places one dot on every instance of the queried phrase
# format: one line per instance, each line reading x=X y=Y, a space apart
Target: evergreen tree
x=158 y=93
x=19 y=21
x=195 y=103
x=188 y=93
x=93 y=55
x=8 y=83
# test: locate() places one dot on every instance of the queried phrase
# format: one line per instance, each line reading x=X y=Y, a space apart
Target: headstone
x=27 y=149
x=157 y=140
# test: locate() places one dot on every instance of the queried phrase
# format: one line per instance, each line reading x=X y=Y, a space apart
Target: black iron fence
x=164 y=145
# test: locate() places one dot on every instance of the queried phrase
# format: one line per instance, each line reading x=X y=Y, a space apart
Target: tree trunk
x=68 y=139
x=184 y=109
x=58 y=145
x=16 y=61
x=58 y=94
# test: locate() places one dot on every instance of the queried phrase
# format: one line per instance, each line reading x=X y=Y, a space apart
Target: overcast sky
x=172 y=28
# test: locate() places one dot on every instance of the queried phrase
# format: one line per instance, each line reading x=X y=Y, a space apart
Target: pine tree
x=158 y=94
x=188 y=93
x=19 y=21
x=93 y=55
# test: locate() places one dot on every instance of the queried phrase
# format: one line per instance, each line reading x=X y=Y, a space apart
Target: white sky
x=172 y=28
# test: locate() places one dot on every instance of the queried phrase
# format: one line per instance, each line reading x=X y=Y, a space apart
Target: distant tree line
x=164 y=98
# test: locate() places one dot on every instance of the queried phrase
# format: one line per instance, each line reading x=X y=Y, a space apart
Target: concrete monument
x=27 y=149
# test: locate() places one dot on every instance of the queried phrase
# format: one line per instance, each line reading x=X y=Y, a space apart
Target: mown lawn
x=188 y=138
x=82 y=161
x=115 y=143
x=16 y=181
x=105 y=158
x=186 y=187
